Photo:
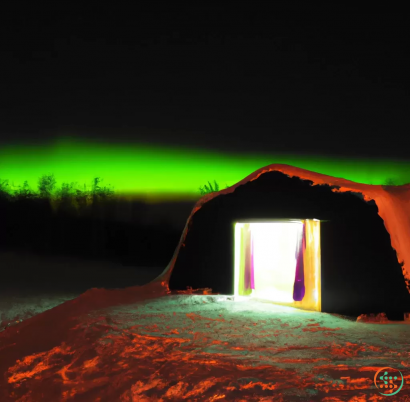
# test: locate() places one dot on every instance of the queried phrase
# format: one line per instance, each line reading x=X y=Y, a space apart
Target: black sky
x=332 y=81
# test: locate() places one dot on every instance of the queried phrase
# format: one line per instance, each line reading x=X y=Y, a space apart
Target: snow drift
x=393 y=203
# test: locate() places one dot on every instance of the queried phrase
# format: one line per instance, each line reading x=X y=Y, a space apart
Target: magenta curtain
x=249 y=282
x=299 y=285
x=252 y=262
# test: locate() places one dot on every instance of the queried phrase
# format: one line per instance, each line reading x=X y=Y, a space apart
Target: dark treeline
x=79 y=222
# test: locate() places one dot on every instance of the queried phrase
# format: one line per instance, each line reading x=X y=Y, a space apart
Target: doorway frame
x=311 y=257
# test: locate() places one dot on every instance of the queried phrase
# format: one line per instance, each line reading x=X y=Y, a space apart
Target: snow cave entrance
x=279 y=261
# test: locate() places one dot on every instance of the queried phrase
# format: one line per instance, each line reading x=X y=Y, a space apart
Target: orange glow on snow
x=197 y=357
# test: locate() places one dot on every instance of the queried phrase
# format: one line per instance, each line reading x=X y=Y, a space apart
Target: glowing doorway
x=279 y=261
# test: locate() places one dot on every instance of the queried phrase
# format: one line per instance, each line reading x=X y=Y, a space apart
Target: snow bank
x=393 y=203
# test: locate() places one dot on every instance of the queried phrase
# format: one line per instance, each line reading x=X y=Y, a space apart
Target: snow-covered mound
x=393 y=204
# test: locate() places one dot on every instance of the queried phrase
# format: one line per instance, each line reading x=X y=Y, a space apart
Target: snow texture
x=143 y=344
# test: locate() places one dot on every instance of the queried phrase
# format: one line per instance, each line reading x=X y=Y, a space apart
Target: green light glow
x=157 y=173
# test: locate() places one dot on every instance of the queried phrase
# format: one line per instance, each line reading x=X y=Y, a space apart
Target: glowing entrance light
x=275 y=260
x=279 y=261
x=238 y=229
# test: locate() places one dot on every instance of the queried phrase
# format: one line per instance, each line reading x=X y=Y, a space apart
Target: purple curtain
x=252 y=263
x=299 y=285
x=249 y=282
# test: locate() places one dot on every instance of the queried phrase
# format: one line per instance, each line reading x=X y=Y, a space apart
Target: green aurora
x=156 y=173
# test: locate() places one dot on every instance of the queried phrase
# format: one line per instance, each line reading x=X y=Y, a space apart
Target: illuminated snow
x=113 y=345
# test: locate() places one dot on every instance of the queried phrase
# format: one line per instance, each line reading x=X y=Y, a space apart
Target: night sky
x=307 y=81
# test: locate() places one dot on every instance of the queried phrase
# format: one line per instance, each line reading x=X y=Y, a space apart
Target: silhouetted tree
x=390 y=182
x=24 y=192
x=4 y=189
x=98 y=192
x=46 y=185
x=209 y=189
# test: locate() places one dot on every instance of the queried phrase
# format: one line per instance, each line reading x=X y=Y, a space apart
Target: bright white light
x=275 y=245
x=275 y=259
x=238 y=228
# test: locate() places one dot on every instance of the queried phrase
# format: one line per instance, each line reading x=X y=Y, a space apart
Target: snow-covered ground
x=31 y=284
x=142 y=344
